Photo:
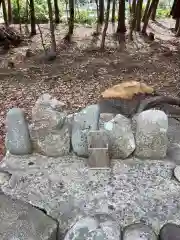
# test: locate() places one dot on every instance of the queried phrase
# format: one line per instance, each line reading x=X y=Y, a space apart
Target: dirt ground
x=81 y=72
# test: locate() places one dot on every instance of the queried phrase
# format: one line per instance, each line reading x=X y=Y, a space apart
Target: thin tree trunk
x=106 y=24
x=53 y=40
x=5 y=13
x=177 y=24
x=146 y=20
x=132 y=20
x=178 y=28
x=121 y=28
x=153 y=14
x=113 y=11
x=33 y=19
x=139 y=15
x=26 y=18
x=101 y=12
x=56 y=10
x=9 y=11
x=19 y=20
x=71 y=18
x=146 y=10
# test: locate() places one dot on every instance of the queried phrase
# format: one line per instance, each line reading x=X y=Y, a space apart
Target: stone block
x=98 y=149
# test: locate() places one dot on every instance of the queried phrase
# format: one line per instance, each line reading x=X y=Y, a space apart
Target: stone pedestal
x=98 y=149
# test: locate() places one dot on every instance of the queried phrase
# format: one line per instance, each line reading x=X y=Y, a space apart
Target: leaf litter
x=81 y=72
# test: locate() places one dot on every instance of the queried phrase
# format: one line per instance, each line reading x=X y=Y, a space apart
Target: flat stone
x=94 y=228
x=131 y=191
x=17 y=138
x=22 y=221
x=170 y=231
x=139 y=231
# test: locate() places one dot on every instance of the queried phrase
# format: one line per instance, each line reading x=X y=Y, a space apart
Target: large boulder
x=151 y=134
x=50 y=128
x=84 y=121
x=121 y=138
x=22 y=221
x=17 y=138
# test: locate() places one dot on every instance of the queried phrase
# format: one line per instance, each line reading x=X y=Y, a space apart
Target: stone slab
x=132 y=190
x=22 y=221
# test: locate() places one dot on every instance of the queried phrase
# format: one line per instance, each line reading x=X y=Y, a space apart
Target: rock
x=52 y=143
x=4 y=177
x=105 y=117
x=139 y=231
x=170 y=231
x=173 y=153
x=50 y=129
x=93 y=228
x=17 y=138
x=121 y=138
x=22 y=221
x=151 y=134
x=84 y=121
x=177 y=173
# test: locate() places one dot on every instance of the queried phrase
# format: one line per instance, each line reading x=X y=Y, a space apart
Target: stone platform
x=132 y=190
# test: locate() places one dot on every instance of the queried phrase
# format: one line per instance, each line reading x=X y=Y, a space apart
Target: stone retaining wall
x=87 y=133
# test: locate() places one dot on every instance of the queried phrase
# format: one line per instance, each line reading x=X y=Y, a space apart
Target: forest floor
x=81 y=72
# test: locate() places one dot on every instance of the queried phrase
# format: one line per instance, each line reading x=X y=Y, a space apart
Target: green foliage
x=162 y=13
x=85 y=16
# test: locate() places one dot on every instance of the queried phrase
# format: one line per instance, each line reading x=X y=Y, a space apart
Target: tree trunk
x=5 y=13
x=153 y=14
x=113 y=11
x=19 y=16
x=106 y=24
x=177 y=24
x=56 y=9
x=178 y=28
x=101 y=12
x=53 y=40
x=121 y=28
x=132 y=20
x=26 y=18
x=139 y=15
x=33 y=19
x=146 y=10
x=9 y=11
x=146 y=20
x=71 y=21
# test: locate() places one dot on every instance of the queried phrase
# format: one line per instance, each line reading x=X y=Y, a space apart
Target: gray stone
x=94 y=228
x=51 y=143
x=22 y=221
x=173 y=152
x=170 y=231
x=105 y=117
x=84 y=121
x=17 y=138
x=177 y=173
x=48 y=113
x=139 y=231
x=50 y=131
x=98 y=149
x=121 y=138
x=151 y=134
x=4 y=177
x=131 y=191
